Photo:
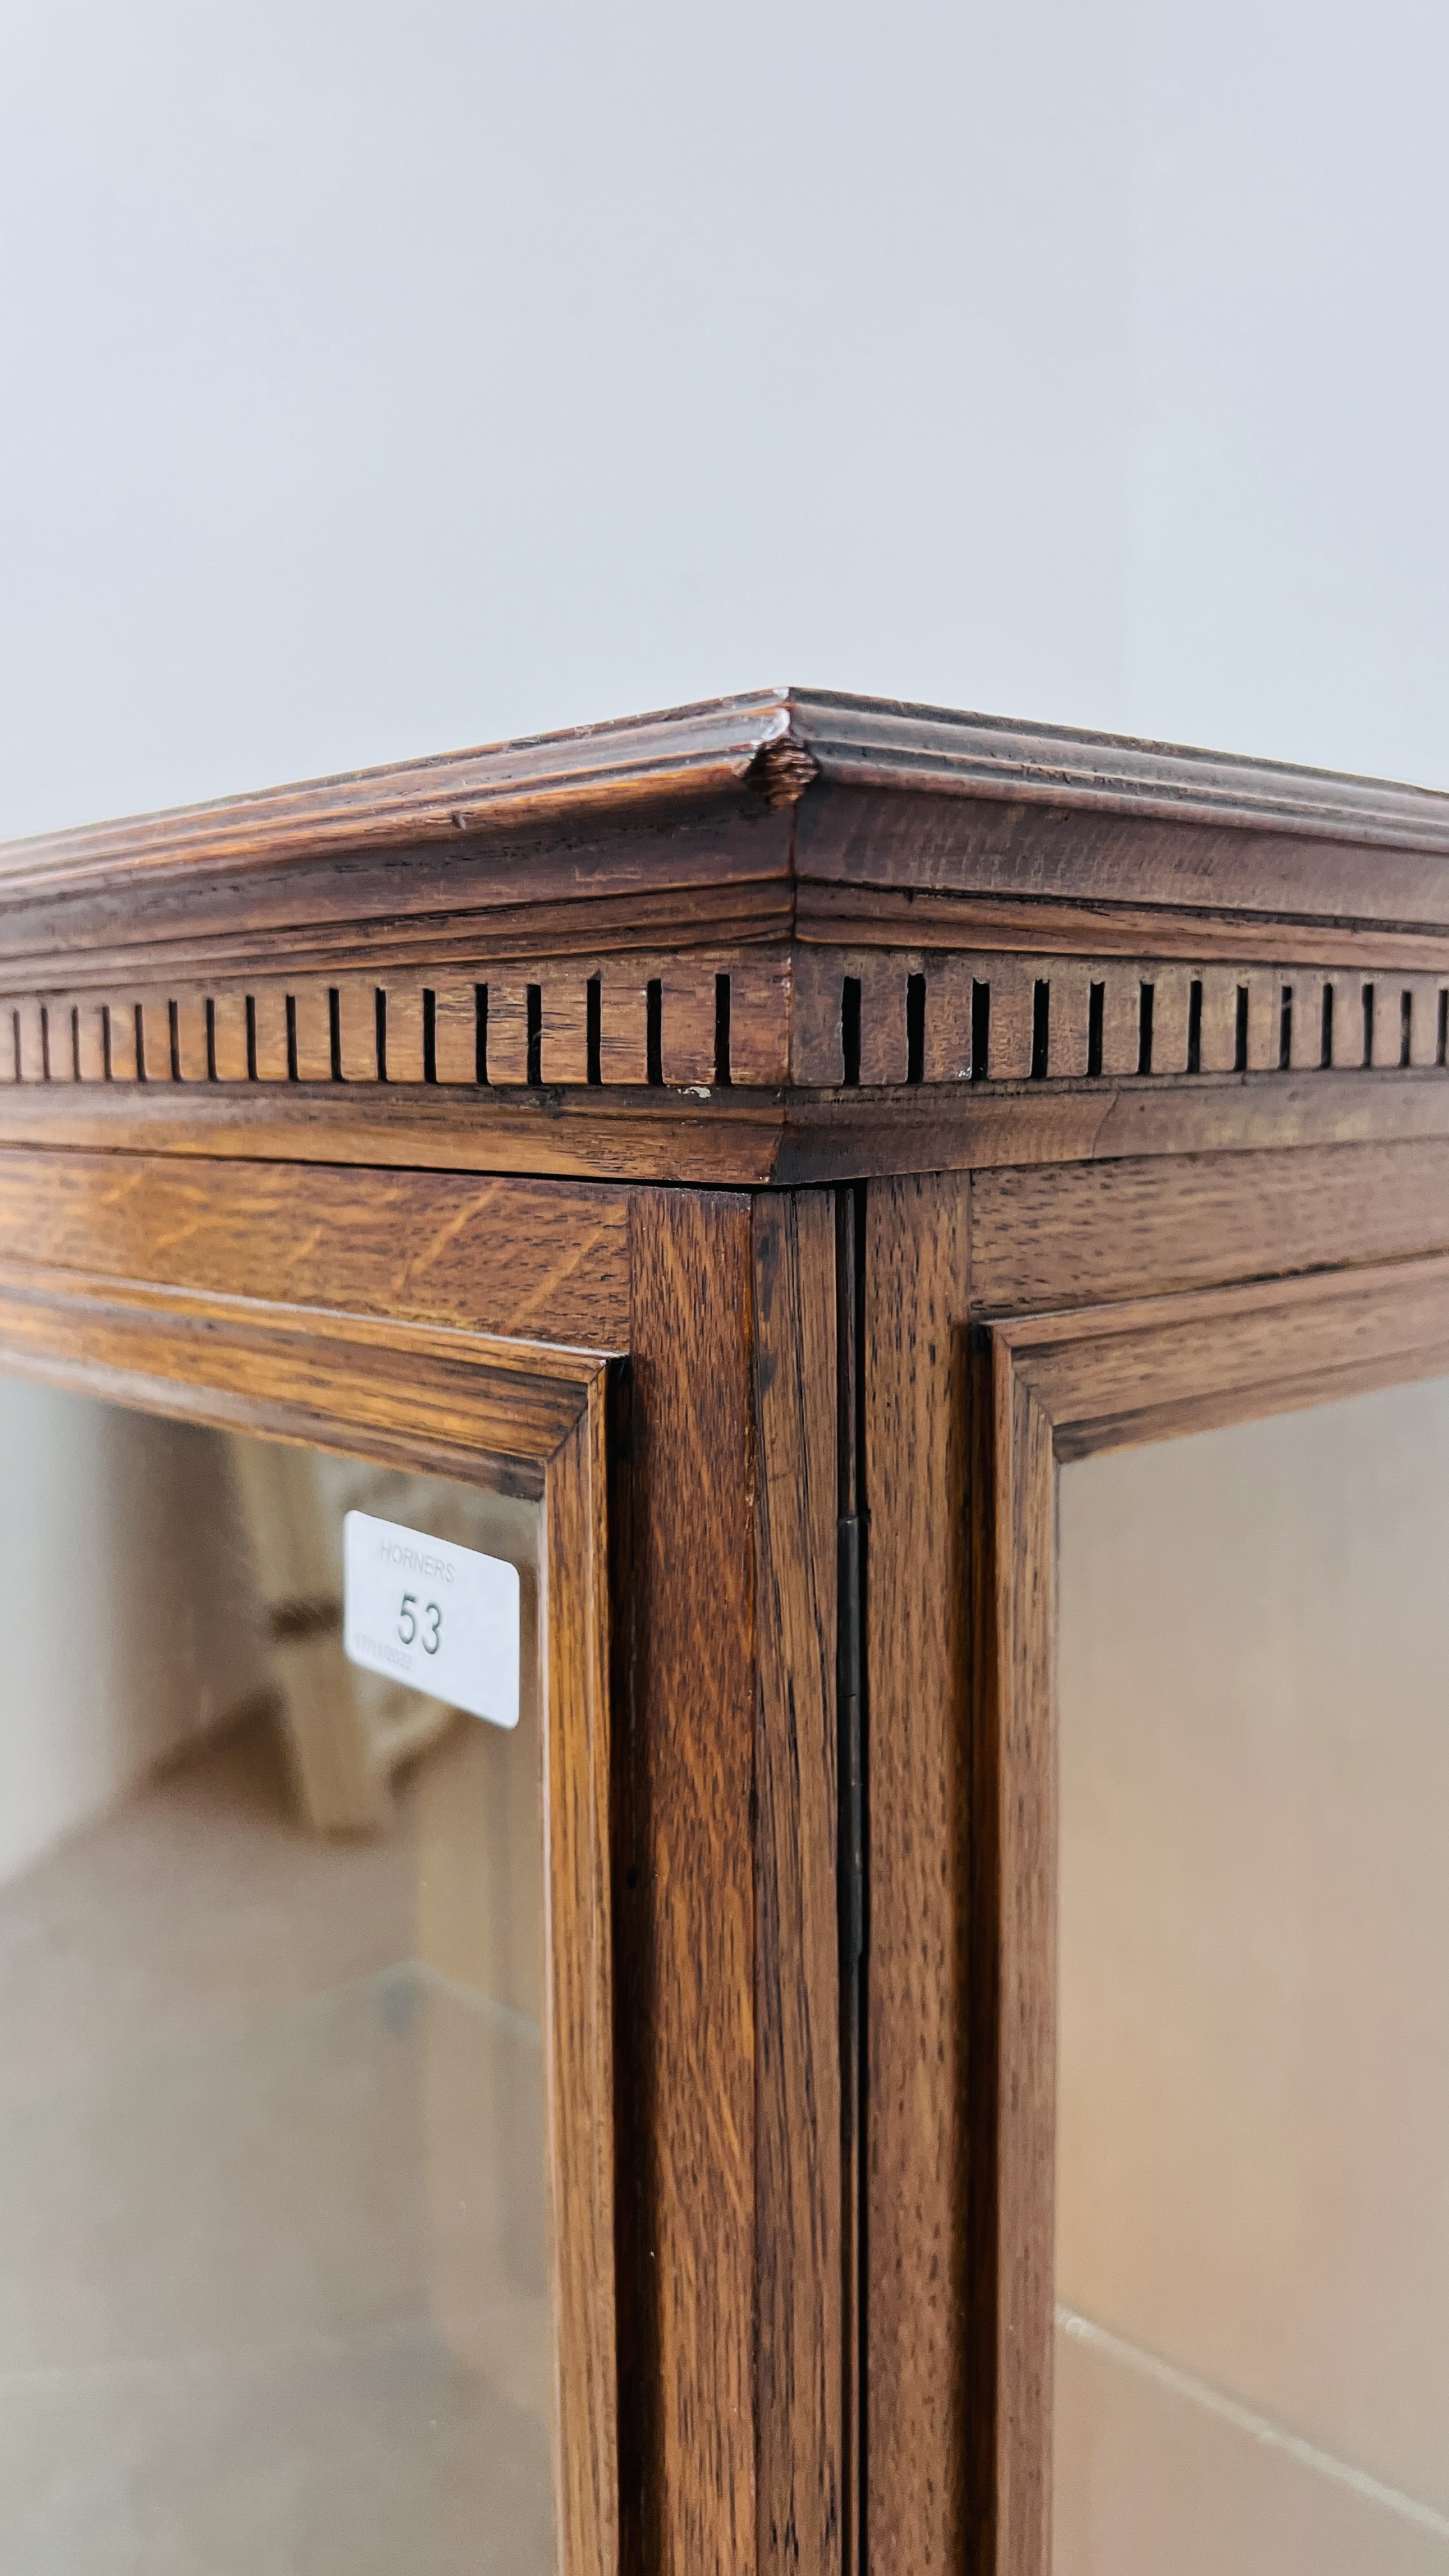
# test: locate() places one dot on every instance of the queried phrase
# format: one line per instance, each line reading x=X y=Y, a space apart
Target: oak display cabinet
x=925 y=1244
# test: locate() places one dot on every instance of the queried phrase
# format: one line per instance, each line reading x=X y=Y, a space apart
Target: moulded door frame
x=1042 y=1389
x=694 y=1961
x=528 y=1419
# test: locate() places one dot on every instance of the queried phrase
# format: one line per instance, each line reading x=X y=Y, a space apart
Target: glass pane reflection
x=1252 y=2366
x=272 y=2285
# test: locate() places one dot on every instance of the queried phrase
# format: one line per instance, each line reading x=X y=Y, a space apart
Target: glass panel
x=1252 y=2369
x=272 y=2201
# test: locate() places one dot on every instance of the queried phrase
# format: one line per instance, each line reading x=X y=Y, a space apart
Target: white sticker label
x=440 y=1618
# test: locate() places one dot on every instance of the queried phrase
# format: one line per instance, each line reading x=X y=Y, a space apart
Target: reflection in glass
x=1252 y=2369
x=272 y=2285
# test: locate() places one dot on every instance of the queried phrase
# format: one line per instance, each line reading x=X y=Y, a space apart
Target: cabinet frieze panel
x=822 y=1019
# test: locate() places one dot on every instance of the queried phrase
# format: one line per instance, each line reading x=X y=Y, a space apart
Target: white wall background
x=127 y=1623
x=380 y=378
x=376 y=379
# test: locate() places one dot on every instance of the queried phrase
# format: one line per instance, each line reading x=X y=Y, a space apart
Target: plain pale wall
x=127 y=1624
x=378 y=379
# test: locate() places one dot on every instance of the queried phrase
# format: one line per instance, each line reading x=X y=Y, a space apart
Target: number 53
x=407 y=1626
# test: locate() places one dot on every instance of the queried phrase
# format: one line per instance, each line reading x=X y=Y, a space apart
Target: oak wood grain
x=1057 y=1236
x=230 y=1053
x=708 y=870
x=642 y=760
x=693 y=1736
x=316 y=1114
x=1276 y=864
x=734 y=1139
x=527 y=1258
x=31 y=1052
x=799 y=2209
x=702 y=1023
x=916 y=1958
x=1109 y=1375
x=528 y=1421
x=933 y=921
x=1013 y=1913
x=300 y=1372
x=579 y=2057
x=1048 y=1387
x=779 y=815
x=828 y=752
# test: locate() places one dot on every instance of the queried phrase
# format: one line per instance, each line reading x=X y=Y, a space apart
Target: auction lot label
x=440 y=1618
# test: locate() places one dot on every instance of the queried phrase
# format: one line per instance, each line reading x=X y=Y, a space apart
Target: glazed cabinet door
x=1213 y=1805
x=1251 y=2364
x=305 y=2007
